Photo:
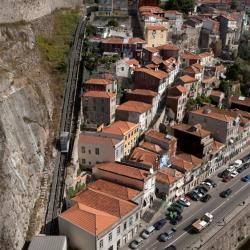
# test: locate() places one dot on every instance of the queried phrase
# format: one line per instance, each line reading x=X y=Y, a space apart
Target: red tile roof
x=155 y=27
x=116 y=40
x=133 y=106
x=181 y=89
x=181 y=163
x=97 y=140
x=151 y=49
x=98 y=81
x=151 y=147
x=132 y=61
x=175 y=12
x=159 y=136
x=120 y=127
x=168 y=176
x=155 y=73
x=122 y=169
x=144 y=92
x=217 y=93
x=196 y=130
x=99 y=94
x=190 y=158
x=241 y=100
x=168 y=46
x=187 y=79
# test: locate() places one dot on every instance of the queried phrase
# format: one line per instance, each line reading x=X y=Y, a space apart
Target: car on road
x=159 y=224
x=234 y=174
x=246 y=178
x=227 y=178
x=213 y=183
x=206 y=198
x=171 y=247
x=226 y=193
x=167 y=236
x=147 y=232
x=136 y=243
x=207 y=184
x=193 y=196
x=184 y=201
x=224 y=173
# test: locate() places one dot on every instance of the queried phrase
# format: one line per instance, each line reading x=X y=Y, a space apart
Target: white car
x=186 y=201
x=147 y=232
x=231 y=168
x=136 y=243
x=234 y=174
x=207 y=183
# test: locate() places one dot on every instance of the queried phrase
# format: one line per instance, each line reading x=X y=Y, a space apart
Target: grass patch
x=71 y=192
x=57 y=48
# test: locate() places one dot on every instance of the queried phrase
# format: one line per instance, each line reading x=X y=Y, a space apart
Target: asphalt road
x=219 y=207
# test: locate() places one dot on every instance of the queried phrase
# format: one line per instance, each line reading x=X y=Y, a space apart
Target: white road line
x=179 y=237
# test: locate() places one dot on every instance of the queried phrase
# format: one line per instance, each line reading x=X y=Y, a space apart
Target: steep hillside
x=31 y=90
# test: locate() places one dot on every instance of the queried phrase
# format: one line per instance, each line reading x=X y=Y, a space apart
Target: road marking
x=179 y=237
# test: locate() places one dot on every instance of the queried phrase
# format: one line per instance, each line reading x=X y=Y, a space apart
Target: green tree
x=113 y=23
x=234 y=4
x=181 y=5
x=233 y=72
x=90 y=30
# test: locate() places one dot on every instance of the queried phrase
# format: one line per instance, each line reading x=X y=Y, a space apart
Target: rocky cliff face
x=26 y=111
x=27 y=10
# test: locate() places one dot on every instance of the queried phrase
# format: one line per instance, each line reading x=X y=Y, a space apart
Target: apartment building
x=155 y=80
x=131 y=177
x=177 y=100
x=148 y=53
x=100 y=220
x=169 y=184
x=222 y=126
x=155 y=35
x=168 y=50
x=98 y=107
x=193 y=139
x=192 y=86
x=136 y=112
x=105 y=85
x=125 y=67
x=125 y=131
x=195 y=70
x=93 y=149
x=166 y=142
x=144 y=95
x=175 y=19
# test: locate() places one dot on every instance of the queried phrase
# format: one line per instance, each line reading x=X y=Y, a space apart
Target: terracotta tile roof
x=159 y=136
x=98 y=81
x=196 y=130
x=151 y=147
x=151 y=66
x=97 y=140
x=211 y=112
x=168 y=175
x=146 y=157
x=99 y=94
x=229 y=17
x=181 y=163
x=181 y=89
x=187 y=79
x=190 y=56
x=194 y=68
x=241 y=100
x=91 y=220
x=155 y=73
x=132 y=61
x=122 y=169
x=133 y=106
x=151 y=49
x=104 y=202
x=156 y=60
x=145 y=92
x=114 y=189
x=155 y=27
x=217 y=93
x=220 y=68
x=217 y=146
x=168 y=46
x=120 y=127
x=175 y=12
x=116 y=40
x=152 y=9
x=209 y=80
x=190 y=158
x=134 y=40
x=204 y=54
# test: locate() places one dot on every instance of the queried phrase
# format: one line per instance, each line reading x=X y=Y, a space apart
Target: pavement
x=222 y=209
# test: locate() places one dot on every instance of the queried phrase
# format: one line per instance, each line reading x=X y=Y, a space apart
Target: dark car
x=199 y=190
x=204 y=187
x=206 y=198
x=213 y=183
x=227 y=178
x=159 y=224
x=226 y=193
x=171 y=247
x=178 y=209
x=240 y=170
x=224 y=173
x=193 y=196
x=168 y=235
x=176 y=220
x=175 y=209
x=177 y=204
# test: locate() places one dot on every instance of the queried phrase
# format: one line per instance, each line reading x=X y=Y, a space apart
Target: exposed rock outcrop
x=26 y=10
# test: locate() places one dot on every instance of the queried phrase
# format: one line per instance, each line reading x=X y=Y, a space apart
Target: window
x=137 y=216
x=89 y=162
x=101 y=243
x=89 y=151
x=130 y=221
x=97 y=151
x=83 y=161
x=110 y=236
x=125 y=226
x=118 y=230
x=83 y=150
x=122 y=68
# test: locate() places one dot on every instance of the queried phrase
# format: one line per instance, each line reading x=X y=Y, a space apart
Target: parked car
x=176 y=220
x=193 y=196
x=224 y=173
x=147 y=232
x=199 y=192
x=203 y=187
x=241 y=169
x=238 y=163
x=167 y=236
x=246 y=178
x=171 y=247
x=234 y=174
x=207 y=184
x=159 y=224
x=184 y=201
x=175 y=209
x=227 y=178
x=231 y=168
x=245 y=165
x=136 y=243
x=179 y=205
x=213 y=183
x=206 y=198
x=226 y=193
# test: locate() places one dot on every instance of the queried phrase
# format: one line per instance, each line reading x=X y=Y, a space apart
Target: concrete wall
x=19 y=10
